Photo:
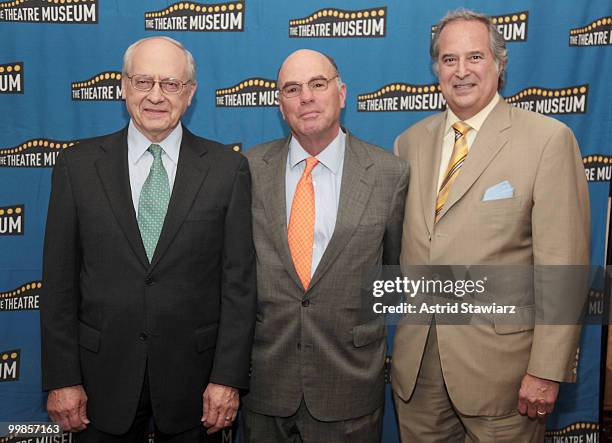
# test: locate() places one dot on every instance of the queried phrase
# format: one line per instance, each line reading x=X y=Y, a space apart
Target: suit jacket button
x=149 y=281
x=306 y=303
x=143 y=336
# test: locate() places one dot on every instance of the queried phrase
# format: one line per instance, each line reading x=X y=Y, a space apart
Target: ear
x=194 y=86
x=280 y=106
x=124 y=85
x=342 y=94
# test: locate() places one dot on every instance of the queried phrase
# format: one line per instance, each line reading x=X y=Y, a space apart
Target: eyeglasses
x=145 y=83
x=315 y=85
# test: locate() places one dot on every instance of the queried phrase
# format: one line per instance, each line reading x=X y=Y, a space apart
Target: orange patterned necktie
x=301 y=224
x=460 y=152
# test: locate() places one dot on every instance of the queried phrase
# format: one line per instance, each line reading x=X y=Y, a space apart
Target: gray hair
x=496 y=40
x=129 y=53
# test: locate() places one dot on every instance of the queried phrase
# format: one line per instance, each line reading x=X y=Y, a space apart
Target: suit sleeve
x=393 y=233
x=60 y=296
x=561 y=240
x=239 y=289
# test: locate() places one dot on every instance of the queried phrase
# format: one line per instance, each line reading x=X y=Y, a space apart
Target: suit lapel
x=191 y=170
x=490 y=140
x=113 y=172
x=355 y=190
x=273 y=184
x=428 y=166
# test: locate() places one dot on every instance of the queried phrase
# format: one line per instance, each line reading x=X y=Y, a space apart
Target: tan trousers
x=429 y=416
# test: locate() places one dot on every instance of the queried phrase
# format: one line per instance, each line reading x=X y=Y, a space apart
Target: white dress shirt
x=326 y=181
x=140 y=160
x=448 y=142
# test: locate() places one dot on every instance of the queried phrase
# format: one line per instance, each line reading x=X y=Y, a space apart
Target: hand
x=537 y=396
x=220 y=407
x=68 y=407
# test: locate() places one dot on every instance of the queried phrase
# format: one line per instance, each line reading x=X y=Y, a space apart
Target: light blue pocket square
x=499 y=191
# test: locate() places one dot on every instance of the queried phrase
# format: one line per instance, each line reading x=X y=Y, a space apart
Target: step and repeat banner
x=60 y=82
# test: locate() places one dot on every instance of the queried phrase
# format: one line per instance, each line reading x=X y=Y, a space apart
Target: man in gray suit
x=326 y=208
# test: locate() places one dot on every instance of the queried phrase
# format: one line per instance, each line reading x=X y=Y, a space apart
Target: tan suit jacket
x=546 y=222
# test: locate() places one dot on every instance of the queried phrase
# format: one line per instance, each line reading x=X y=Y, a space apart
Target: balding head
x=312 y=96
x=312 y=53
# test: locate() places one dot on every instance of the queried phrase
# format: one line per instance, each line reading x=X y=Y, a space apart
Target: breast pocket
x=503 y=212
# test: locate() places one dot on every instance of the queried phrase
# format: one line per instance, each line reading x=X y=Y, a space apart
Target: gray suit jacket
x=315 y=344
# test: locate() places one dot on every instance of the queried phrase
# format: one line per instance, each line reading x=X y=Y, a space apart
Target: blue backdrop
x=60 y=63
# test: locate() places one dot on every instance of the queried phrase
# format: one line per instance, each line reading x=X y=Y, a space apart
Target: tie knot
x=156 y=150
x=311 y=162
x=461 y=128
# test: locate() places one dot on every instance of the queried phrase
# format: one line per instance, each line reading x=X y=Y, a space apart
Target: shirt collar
x=138 y=143
x=476 y=121
x=331 y=156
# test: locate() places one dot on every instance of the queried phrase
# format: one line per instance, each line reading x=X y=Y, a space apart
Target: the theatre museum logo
x=192 y=16
x=332 y=23
x=50 y=11
x=12 y=220
x=11 y=78
x=249 y=93
x=38 y=153
x=568 y=100
x=596 y=33
x=401 y=97
x=105 y=86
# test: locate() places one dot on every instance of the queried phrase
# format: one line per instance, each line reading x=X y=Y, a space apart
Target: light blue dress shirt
x=326 y=180
x=140 y=160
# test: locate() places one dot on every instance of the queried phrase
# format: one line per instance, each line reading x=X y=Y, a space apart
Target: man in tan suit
x=490 y=185
x=327 y=207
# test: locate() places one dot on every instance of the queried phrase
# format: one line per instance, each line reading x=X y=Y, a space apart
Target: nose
x=156 y=94
x=462 y=69
x=306 y=95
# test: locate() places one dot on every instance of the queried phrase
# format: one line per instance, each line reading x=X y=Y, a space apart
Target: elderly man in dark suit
x=149 y=281
x=327 y=207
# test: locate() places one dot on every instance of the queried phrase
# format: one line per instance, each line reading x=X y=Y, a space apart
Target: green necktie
x=153 y=202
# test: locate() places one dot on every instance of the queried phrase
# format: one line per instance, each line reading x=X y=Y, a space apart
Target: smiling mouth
x=464 y=86
x=154 y=112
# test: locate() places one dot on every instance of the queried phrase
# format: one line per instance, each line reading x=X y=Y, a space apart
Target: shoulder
x=89 y=149
x=220 y=153
x=426 y=125
x=257 y=154
x=381 y=158
x=525 y=120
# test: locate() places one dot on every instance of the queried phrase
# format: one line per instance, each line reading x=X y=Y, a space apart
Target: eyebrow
x=293 y=82
x=446 y=54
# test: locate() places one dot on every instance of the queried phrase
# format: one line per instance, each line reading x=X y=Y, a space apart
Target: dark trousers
x=302 y=427
x=140 y=429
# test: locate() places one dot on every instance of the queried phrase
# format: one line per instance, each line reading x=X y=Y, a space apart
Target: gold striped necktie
x=460 y=151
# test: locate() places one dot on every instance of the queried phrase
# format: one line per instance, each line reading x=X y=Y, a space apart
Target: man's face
x=156 y=113
x=466 y=67
x=311 y=115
